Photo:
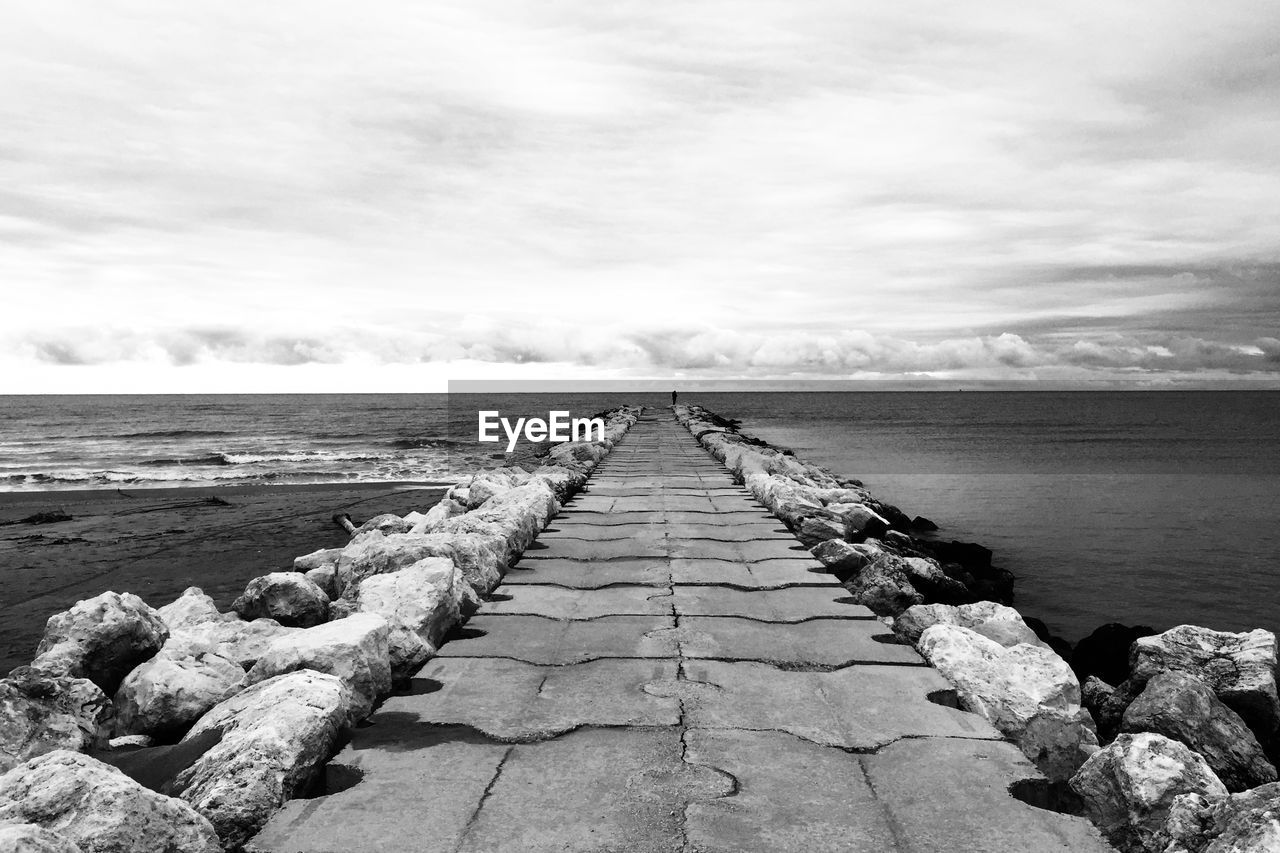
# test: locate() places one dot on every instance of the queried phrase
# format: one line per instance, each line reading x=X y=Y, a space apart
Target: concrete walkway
x=667 y=669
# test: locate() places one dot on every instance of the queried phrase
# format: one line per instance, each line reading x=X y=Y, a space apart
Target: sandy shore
x=158 y=542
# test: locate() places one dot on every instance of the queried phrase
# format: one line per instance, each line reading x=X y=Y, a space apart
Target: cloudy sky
x=245 y=196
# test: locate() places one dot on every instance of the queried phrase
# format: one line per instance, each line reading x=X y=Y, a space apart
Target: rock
x=1240 y=668
x=325 y=577
x=99 y=809
x=861 y=519
x=884 y=587
x=1129 y=787
x=819 y=528
x=165 y=695
x=844 y=558
x=235 y=639
x=1025 y=691
x=447 y=508
x=274 y=738
x=193 y=607
x=341 y=609
x=564 y=482
x=132 y=742
x=1094 y=695
x=489 y=484
x=1183 y=708
x=40 y=713
x=994 y=621
x=101 y=639
x=931 y=582
x=1105 y=652
x=421 y=603
x=30 y=838
x=481 y=557
x=468 y=601
x=317 y=559
x=287 y=597
x=385 y=524
x=354 y=649
x=517 y=515
x=1241 y=823
x=923 y=524
x=974 y=557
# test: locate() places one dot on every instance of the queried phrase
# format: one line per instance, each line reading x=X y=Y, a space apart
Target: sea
x=1155 y=508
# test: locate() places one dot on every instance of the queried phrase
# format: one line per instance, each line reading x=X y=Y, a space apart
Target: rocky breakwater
x=185 y=728
x=1174 y=752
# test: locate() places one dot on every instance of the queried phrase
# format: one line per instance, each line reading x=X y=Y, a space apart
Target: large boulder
x=1129 y=787
x=421 y=603
x=819 y=528
x=325 y=577
x=386 y=523
x=1240 y=668
x=517 y=515
x=193 y=607
x=860 y=519
x=445 y=509
x=317 y=559
x=273 y=738
x=845 y=558
x=563 y=481
x=354 y=649
x=233 y=638
x=884 y=586
x=99 y=809
x=993 y=621
x=490 y=484
x=1182 y=707
x=41 y=713
x=1105 y=652
x=1247 y=822
x=168 y=693
x=1026 y=691
x=31 y=838
x=101 y=639
x=928 y=579
x=289 y=598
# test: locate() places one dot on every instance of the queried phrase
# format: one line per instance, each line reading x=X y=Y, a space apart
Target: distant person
x=673 y=398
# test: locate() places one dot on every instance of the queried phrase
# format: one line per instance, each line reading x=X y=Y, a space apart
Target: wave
x=211 y=459
x=426 y=443
x=170 y=433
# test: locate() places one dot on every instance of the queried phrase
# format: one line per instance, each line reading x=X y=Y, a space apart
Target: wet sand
x=158 y=542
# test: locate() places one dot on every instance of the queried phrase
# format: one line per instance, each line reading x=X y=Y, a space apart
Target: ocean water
x=1140 y=507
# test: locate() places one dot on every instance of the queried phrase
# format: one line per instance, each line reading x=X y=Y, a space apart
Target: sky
x=318 y=196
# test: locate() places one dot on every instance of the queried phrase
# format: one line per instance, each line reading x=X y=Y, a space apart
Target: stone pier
x=667 y=669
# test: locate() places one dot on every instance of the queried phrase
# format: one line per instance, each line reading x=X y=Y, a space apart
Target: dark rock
x=971 y=555
x=1105 y=652
x=1182 y=707
x=922 y=523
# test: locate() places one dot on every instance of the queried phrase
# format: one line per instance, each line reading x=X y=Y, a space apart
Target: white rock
x=1248 y=822
x=994 y=621
x=30 y=838
x=290 y=598
x=1027 y=692
x=421 y=603
x=325 y=577
x=386 y=523
x=517 y=515
x=193 y=607
x=317 y=559
x=446 y=508
x=100 y=809
x=168 y=693
x=354 y=649
x=846 y=557
x=41 y=713
x=275 y=736
x=234 y=639
x=1129 y=787
x=101 y=639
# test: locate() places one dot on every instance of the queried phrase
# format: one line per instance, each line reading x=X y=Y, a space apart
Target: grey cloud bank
x=948 y=189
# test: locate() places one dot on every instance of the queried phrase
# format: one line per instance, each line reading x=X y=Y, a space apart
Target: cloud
x=828 y=187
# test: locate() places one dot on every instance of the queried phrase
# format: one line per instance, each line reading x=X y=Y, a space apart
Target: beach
x=157 y=542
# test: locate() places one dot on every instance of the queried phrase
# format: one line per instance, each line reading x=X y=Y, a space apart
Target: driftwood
x=344 y=521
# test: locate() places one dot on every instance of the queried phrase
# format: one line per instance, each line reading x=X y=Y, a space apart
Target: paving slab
x=766 y=574
x=553 y=642
x=945 y=794
x=610 y=549
x=559 y=602
x=789 y=604
x=586 y=574
x=816 y=643
x=760 y=549
x=861 y=708
x=516 y=701
x=784 y=797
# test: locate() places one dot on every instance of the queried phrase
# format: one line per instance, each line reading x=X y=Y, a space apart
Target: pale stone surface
x=325 y=577
x=1027 y=692
x=517 y=515
x=354 y=649
x=193 y=607
x=385 y=524
x=884 y=586
x=1184 y=708
x=1241 y=668
x=1129 y=787
x=840 y=556
x=287 y=597
x=994 y=621
x=168 y=693
x=235 y=639
x=274 y=737
x=1247 y=822
x=816 y=528
x=445 y=509
x=421 y=603
x=30 y=838
x=100 y=809
x=40 y=713
x=101 y=639
x=317 y=559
